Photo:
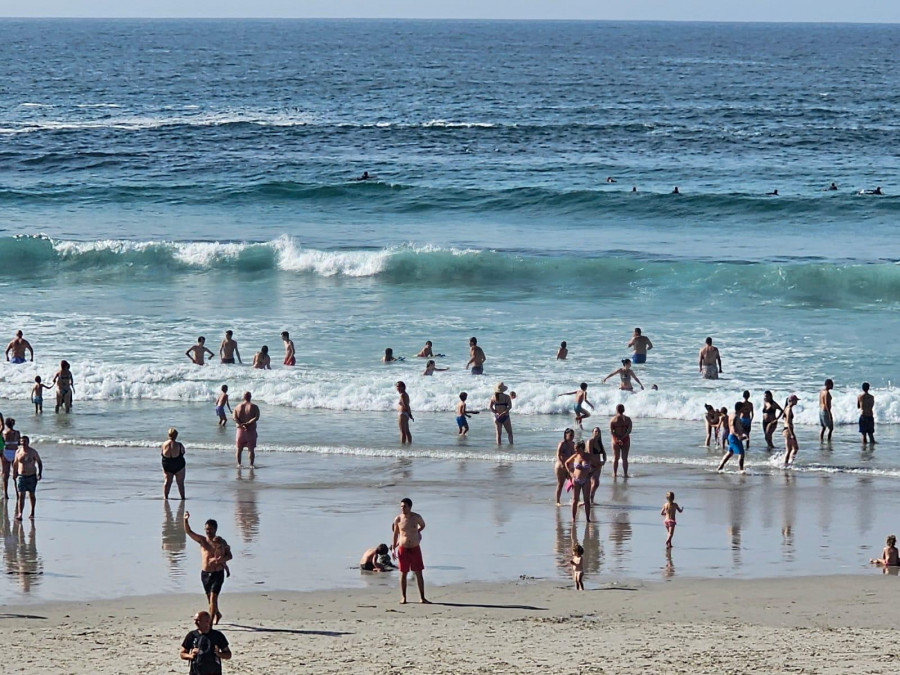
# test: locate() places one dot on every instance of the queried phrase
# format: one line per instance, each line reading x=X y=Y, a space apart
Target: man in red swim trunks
x=408 y=528
x=246 y=415
x=620 y=430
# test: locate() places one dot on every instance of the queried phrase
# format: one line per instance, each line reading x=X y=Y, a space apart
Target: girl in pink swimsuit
x=668 y=511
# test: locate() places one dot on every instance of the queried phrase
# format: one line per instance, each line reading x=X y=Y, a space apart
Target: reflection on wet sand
x=669 y=570
x=787 y=527
x=20 y=553
x=246 y=513
x=736 y=508
x=620 y=535
x=173 y=537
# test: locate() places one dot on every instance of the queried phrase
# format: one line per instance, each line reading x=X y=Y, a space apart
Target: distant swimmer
x=581 y=400
x=773 y=193
x=365 y=176
x=610 y=179
x=404 y=414
x=18 y=346
x=790 y=437
x=641 y=345
x=476 y=357
x=290 y=358
x=229 y=349
x=634 y=188
x=876 y=191
x=197 y=353
x=626 y=374
x=262 y=360
x=563 y=352
x=710 y=361
x=826 y=420
x=389 y=356
x=676 y=191
x=832 y=187
x=426 y=351
x=431 y=369
x=865 y=402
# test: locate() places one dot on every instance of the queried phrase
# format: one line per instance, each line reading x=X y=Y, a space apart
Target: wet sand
x=806 y=624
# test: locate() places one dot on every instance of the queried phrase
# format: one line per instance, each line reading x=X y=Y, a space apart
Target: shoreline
x=804 y=624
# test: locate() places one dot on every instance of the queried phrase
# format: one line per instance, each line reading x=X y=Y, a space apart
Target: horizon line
x=444 y=19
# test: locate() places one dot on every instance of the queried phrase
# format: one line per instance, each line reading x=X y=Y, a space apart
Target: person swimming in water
x=626 y=374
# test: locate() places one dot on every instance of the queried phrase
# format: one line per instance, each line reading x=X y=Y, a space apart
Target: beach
x=803 y=624
x=377 y=184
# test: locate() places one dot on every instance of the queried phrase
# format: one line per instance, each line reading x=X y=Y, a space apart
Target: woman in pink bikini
x=668 y=512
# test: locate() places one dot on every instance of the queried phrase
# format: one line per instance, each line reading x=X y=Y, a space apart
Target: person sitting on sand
x=626 y=374
x=563 y=352
x=431 y=369
x=890 y=557
x=371 y=559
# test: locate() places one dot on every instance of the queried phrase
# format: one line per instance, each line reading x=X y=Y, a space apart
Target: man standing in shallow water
x=826 y=420
x=246 y=415
x=408 y=528
x=18 y=346
x=229 y=349
x=641 y=345
x=710 y=361
x=198 y=352
x=865 y=402
x=476 y=357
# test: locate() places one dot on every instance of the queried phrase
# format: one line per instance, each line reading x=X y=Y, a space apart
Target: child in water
x=431 y=369
x=462 y=414
x=37 y=395
x=562 y=352
x=668 y=511
x=890 y=557
x=221 y=404
x=578 y=567
x=389 y=356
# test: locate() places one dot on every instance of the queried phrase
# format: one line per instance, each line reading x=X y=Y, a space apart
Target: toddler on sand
x=578 y=567
x=889 y=556
x=668 y=511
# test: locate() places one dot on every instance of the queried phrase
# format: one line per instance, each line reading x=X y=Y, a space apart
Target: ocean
x=161 y=180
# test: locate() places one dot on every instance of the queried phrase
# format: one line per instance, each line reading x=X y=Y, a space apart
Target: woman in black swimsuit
x=770 y=413
x=173 y=463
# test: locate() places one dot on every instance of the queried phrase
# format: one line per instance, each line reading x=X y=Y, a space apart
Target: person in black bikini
x=770 y=413
x=173 y=463
x=501 y=404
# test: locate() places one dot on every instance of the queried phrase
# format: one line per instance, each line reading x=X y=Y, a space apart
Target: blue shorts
x=478 y=370
x=37 y=400
x=17 y=359
x=735 y=445
x=825 y=419
x=462 y=422
x=639 y=358
x=27 y=483
x=746 y=422
x=220 y=411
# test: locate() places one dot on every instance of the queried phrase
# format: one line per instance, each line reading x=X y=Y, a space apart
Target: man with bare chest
x=408 y=528
x=214 y=556
x=246 y=415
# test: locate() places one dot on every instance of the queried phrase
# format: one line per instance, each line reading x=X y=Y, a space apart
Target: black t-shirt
x=206 y=662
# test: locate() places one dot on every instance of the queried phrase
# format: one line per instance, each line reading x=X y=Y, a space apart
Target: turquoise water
x=166 y=179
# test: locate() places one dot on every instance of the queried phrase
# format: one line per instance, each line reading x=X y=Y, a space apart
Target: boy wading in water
x=668 y=511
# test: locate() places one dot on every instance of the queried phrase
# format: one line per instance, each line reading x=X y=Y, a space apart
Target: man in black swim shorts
x=214 y=556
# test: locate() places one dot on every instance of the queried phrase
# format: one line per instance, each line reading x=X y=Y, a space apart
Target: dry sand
x=805 y=625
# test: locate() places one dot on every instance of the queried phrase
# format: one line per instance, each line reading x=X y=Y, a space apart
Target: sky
x=866 y=11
